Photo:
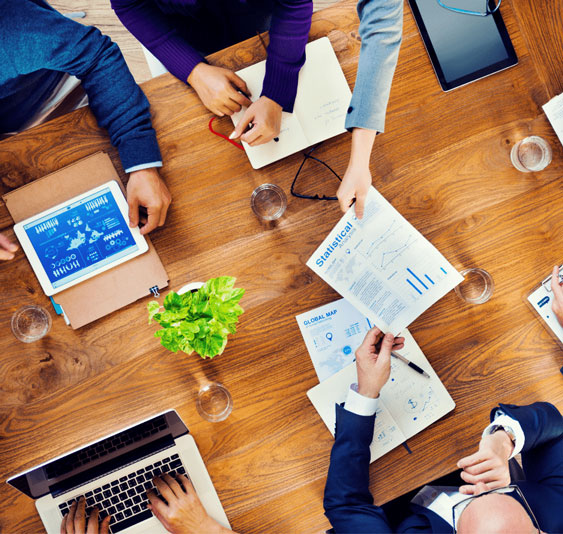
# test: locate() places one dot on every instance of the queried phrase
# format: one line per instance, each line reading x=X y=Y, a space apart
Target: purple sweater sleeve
x=289 y=30
x=157 y=32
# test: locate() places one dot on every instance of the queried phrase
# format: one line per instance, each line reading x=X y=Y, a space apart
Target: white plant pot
x=194 y=286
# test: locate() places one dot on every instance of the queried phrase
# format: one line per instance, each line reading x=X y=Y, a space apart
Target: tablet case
x=113 y=289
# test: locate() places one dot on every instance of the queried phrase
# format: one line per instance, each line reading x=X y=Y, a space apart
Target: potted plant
x=199 y=320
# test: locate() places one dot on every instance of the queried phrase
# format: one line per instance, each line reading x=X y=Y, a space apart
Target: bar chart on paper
x=423 y=282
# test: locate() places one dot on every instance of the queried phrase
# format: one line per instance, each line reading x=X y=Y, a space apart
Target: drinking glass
x=268 y=202
x=531 y=154
x=31 y=323
x=214 y=402
x=477 y=287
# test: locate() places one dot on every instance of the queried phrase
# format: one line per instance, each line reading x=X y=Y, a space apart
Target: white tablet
x=80 y=238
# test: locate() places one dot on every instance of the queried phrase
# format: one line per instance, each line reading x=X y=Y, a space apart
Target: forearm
x=381 y=27
x=362 y=144
x=158 y=33
x=289 y=31
x=121 y=107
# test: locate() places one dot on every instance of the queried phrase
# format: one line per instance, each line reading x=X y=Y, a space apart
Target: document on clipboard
x=540 y=299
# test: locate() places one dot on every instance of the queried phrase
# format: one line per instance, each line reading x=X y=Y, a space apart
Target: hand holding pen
x=373 y=361
x=265 y=116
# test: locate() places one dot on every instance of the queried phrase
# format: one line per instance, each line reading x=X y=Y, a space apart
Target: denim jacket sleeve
x=381 y=29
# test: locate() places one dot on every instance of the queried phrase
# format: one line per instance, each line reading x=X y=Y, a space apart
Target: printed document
x=554 y=112
x=319 y=113
x=332 y=333
x=409 y=401
x=383 y=266
x=541 y=300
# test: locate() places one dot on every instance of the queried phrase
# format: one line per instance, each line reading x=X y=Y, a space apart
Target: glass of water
x=531 y=154
x=477 y=287
x=31 y=323
x=268 y=202
x=214 y=402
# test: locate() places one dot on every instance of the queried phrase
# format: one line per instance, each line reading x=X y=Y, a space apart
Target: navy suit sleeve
x=45 y=39
x=542 y=460
x=542 y=455
x=348 y=502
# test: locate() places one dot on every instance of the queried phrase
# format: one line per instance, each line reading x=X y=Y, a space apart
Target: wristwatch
x=507 y=429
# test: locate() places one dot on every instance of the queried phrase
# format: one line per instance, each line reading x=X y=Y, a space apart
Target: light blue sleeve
x=381 y=30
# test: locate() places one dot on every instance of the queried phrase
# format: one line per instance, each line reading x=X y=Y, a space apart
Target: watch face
x=507 y=429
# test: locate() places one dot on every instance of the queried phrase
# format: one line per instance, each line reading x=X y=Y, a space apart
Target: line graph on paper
x=389 y=256
x=382 y=251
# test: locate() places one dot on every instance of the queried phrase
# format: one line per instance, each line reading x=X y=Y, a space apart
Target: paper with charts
x=319 y=113
x=332 y=333
x=409 y=402
x=541 y=300
x=383 y=266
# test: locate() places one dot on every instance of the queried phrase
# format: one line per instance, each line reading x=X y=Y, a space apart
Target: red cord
x=238 y=145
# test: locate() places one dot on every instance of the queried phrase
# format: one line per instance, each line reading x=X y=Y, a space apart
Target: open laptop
x=115 y=472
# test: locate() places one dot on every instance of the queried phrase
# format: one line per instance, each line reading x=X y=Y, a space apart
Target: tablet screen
x=463 y=47
x=81 y=237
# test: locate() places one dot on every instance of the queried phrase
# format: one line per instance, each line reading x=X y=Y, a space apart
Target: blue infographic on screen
x=81 y=237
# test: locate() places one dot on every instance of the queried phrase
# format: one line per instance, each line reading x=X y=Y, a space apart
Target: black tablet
x=462 y=47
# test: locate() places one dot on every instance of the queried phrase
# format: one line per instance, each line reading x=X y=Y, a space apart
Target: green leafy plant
x=199 y=321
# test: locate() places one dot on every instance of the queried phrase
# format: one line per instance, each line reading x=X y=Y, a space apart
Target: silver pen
x=410 y=364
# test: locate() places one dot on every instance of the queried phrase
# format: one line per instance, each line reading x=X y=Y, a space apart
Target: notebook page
x=414 y=400
x=386 y=434
x=291 y=136
x=324 y=95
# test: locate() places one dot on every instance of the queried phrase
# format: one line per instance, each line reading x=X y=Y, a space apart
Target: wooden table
x=443 y=163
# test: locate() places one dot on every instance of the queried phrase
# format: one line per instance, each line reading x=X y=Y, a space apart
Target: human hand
x=7 y=248
x=265 y=116
x=75 y=521
x=145 y=188
x=489 y=465
x=218 y=89
x=184 y=513
x=373 y=361
x=557 y=290
x=357 y=178
x=355 y=185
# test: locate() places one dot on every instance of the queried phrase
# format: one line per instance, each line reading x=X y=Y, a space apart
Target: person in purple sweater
x=181 y=32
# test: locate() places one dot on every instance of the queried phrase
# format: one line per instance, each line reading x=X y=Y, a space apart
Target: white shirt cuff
x=144 y=166
x=359 y=404
x=504 y=420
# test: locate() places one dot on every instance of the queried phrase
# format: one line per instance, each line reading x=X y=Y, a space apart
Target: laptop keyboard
x=125 y=498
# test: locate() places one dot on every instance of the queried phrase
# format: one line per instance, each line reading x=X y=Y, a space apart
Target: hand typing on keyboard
x=75 y=521
x=182 y=513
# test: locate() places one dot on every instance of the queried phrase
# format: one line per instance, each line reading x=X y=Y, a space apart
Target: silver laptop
x=115 y=472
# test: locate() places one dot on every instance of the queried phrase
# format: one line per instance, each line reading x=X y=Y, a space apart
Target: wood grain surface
x=444 y=164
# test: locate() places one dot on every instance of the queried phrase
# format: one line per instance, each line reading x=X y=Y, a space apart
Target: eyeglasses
x=462 y=505
x=487 y=11
x=307 y=156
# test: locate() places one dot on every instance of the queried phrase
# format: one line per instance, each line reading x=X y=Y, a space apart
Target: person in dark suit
x=486 y=503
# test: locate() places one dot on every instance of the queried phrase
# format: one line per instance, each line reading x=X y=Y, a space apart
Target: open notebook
x=409 y=402
x=320 y=107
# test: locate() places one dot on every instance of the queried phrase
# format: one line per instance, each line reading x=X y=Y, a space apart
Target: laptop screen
x=101 y=457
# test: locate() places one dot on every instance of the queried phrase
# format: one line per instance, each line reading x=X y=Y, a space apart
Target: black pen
x=410 y=364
